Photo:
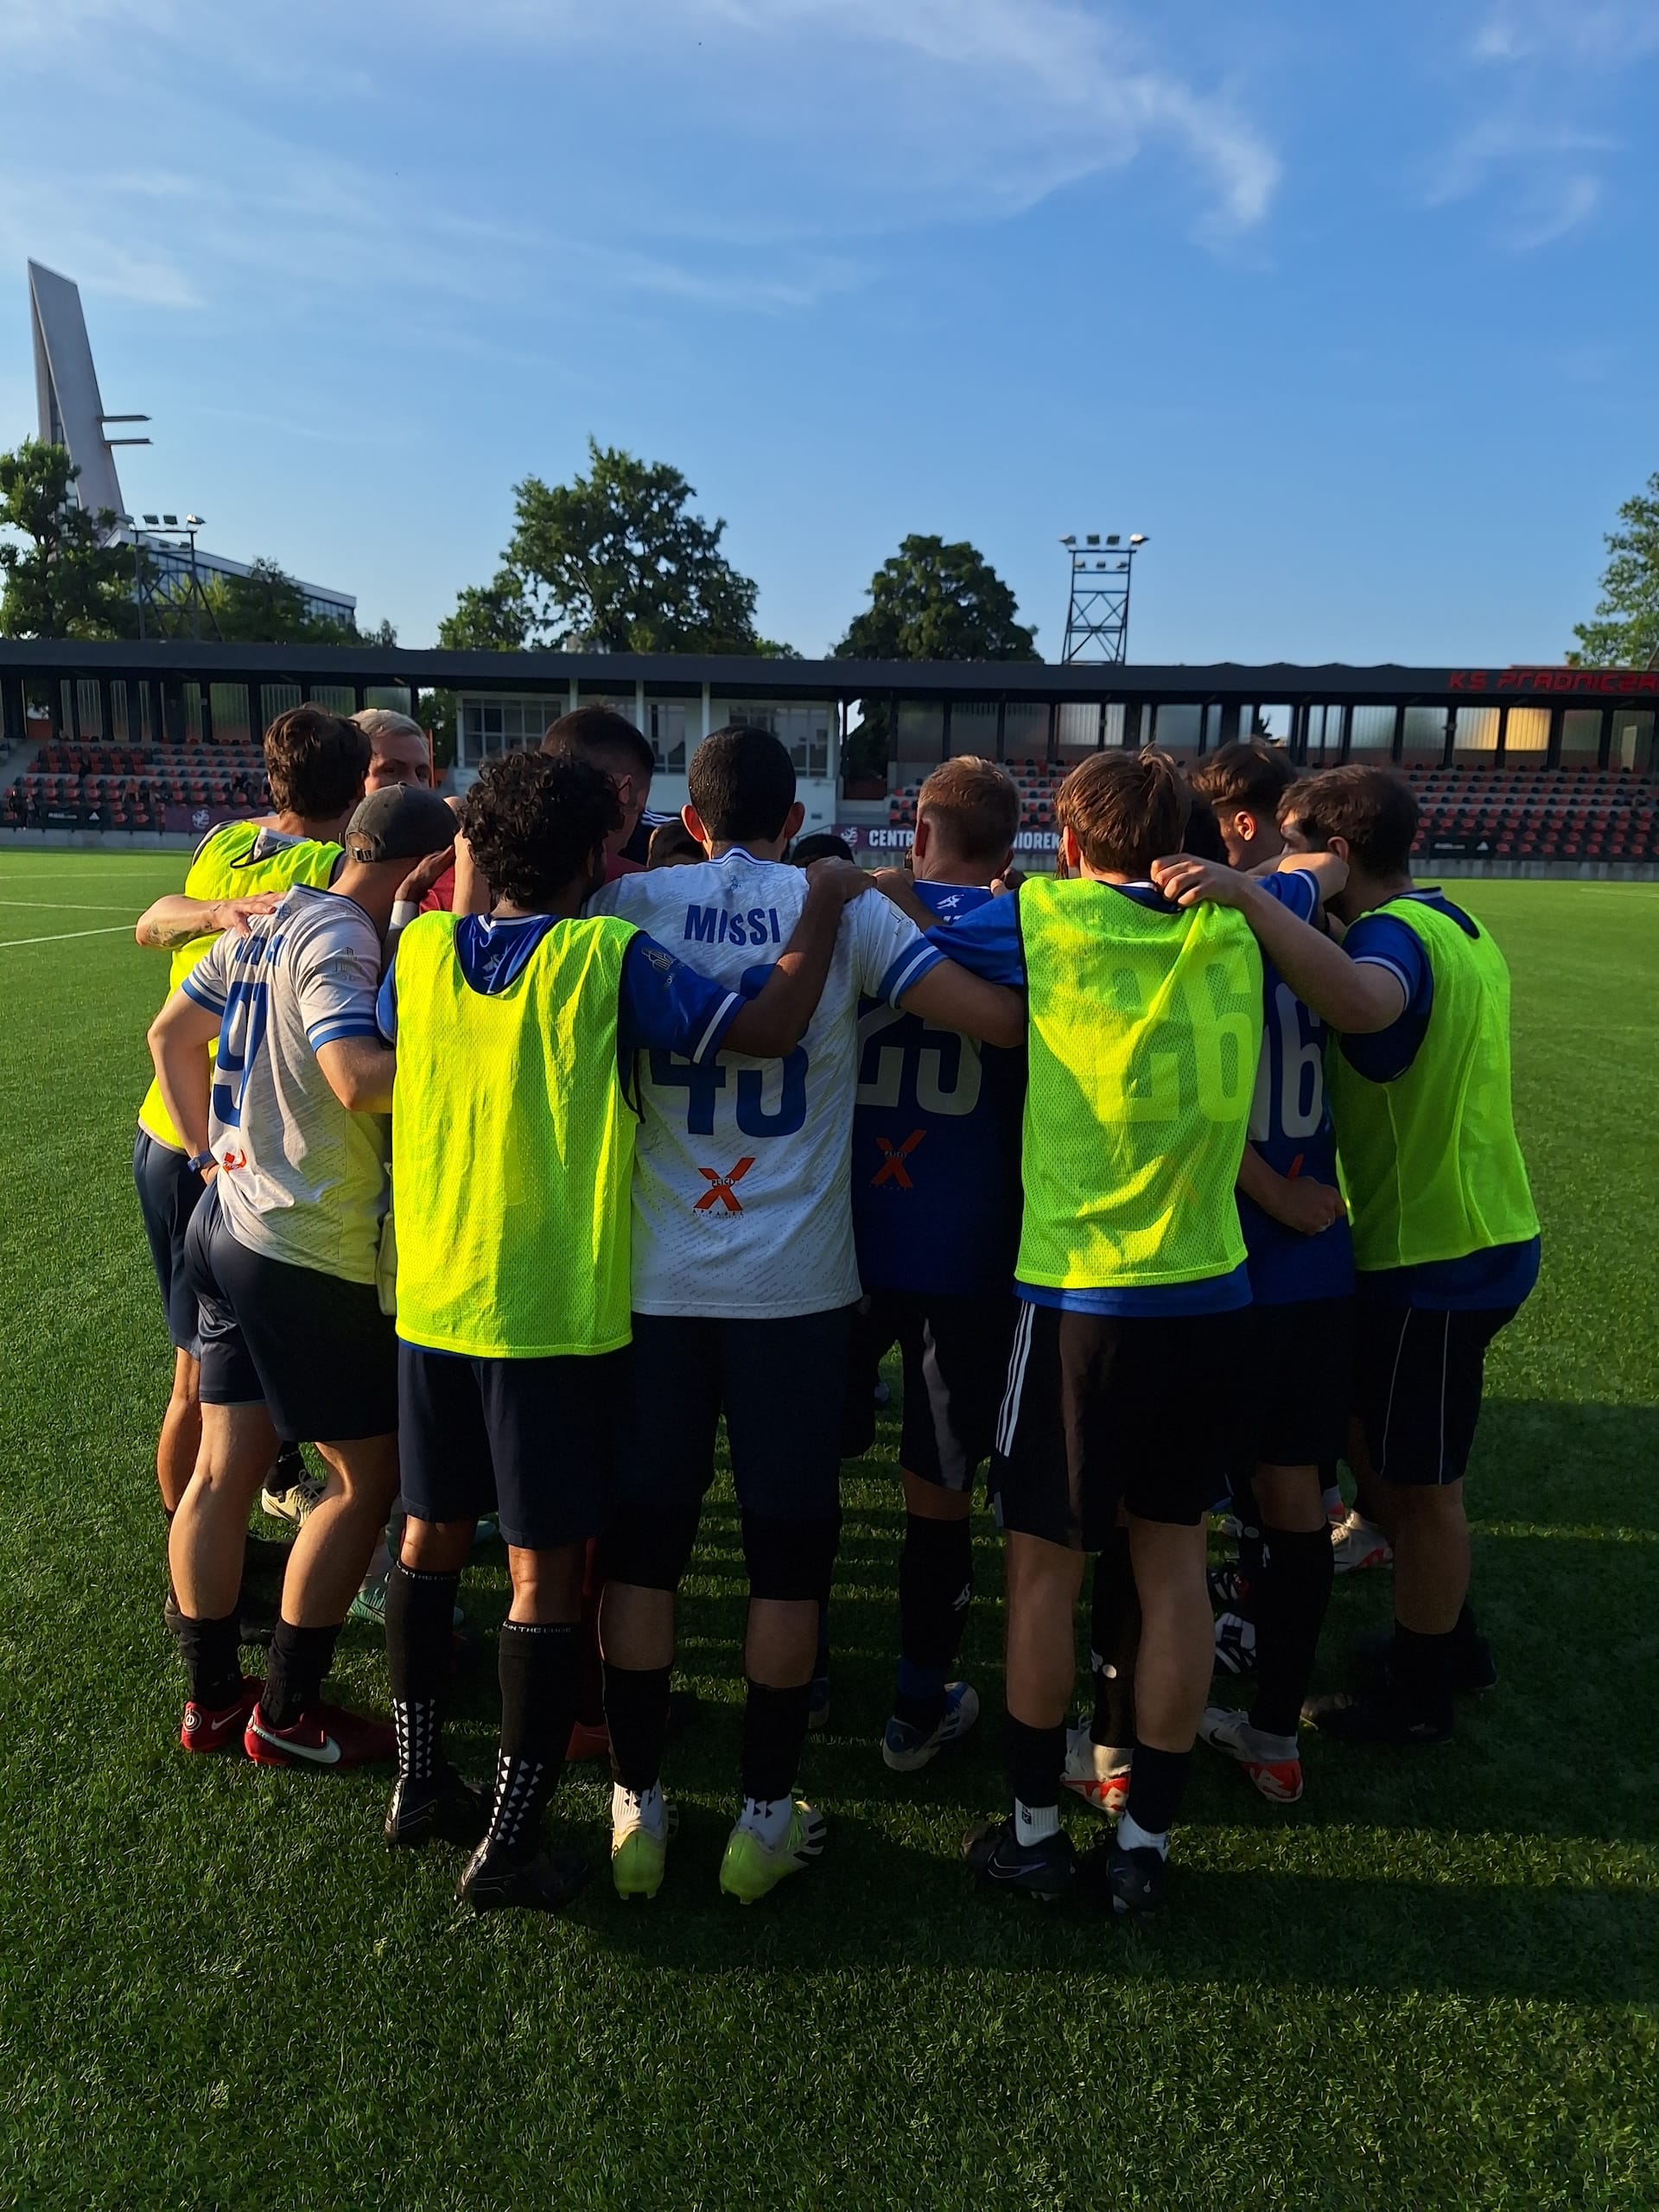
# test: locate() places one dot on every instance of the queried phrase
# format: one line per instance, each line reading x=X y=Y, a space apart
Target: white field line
x=65 y=907
x=62 y=937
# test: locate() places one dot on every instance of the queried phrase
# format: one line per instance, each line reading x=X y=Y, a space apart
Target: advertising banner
x=882 y=845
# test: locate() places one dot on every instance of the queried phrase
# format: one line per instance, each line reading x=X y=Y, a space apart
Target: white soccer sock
x=768 y=1818
x=644 y=1807
x=1132 y=1836
x=1035 y=1823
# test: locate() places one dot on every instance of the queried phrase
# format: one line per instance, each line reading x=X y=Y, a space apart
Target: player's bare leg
x=206 y=1545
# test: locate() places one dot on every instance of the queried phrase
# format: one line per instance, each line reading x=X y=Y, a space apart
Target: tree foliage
x=934 y=602
x=268 y=607
x=1624 y=632
x=58 y=576
x=613 y=562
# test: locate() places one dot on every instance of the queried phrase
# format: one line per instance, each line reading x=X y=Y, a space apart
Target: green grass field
x=1434 y=1981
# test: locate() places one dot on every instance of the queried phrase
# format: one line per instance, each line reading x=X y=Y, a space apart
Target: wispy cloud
x=1538 y=151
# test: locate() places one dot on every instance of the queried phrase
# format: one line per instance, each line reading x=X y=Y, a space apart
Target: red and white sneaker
x=1098 y=1773
x=327 y=1736
x=1278 y=1778
x=1357 y=1543
x=207 y=1729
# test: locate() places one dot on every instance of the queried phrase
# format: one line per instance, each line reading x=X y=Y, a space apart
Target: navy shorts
x=169 y=1190
x=1105 y=1409
x=533 y=1440
x=1300 y=1370
x=955 y=1350
x=779 y=1384
x=1419 y=1379
x=319 y=1351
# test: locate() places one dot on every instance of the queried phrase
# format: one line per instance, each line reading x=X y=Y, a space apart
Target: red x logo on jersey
x=892 y=1169
x=722 y=1193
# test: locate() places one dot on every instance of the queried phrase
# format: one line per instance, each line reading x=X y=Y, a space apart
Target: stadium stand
x=1519 y=814
x=126 y=787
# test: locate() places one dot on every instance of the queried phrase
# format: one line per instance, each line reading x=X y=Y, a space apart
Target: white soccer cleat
x=1357 y=1543
x=1097 y=1773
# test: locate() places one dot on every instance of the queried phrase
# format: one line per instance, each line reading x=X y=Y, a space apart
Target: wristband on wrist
x=201 y=1160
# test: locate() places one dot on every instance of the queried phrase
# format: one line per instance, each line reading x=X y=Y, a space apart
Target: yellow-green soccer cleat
x=751 y=1868
x=639 y=1851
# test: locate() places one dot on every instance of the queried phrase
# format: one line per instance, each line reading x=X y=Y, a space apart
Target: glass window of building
x=1632 y=741
x=973 y=728
x=502 y=725
x=1025 y=730
x=1526 y=737
x=1477 y=734
x=1175 y=729
x=1581 y=737
x=803 y=727
x=666 y=720
x=1373 y=730
x=1425 y=734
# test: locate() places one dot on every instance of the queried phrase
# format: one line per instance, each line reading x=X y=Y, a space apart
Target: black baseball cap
x=405 y=822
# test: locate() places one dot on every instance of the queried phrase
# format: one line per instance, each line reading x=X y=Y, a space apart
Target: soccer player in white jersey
x=744 y=1279
x=283 y=1251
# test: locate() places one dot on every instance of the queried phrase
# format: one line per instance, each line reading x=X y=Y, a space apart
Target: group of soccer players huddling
x=497 y=1166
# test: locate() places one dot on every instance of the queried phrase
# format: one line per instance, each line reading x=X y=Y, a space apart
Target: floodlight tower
x=169 y=591
x=1098 y=613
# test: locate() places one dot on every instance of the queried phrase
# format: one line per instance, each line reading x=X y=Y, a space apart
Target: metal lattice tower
x=1098 y=613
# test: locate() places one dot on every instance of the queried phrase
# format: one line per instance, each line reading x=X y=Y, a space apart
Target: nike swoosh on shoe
x=326 y=1753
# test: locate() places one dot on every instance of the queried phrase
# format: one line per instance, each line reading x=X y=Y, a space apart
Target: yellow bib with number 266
x=1145 y=1033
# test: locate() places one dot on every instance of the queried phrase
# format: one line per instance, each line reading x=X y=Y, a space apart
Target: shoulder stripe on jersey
x=331 y=1031
x=917 y=961
x=1392 y=967
x=192 y=988
x=731 y=1000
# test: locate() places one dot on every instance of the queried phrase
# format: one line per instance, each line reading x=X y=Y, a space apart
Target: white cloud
x=1551 y=73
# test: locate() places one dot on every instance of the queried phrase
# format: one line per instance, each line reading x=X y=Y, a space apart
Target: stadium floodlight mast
x=172 y=596
x=1097 y=611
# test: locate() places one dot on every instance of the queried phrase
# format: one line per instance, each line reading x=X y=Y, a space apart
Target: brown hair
x=1126 y=809
x=974 y=806
x=602 y=735
x=1249 y=773
x=1373 y=811
x=315 y=763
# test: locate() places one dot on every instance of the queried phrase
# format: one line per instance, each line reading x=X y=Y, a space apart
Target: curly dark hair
x=537 y=822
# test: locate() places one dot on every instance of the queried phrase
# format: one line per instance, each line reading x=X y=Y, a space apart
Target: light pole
x=1097 y=610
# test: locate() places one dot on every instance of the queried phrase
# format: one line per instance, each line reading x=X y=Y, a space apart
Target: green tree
x=267 y=608
x=613 y=562
x=60 y=577
x=1624 y=632
x=934 y=602
x=930 y=602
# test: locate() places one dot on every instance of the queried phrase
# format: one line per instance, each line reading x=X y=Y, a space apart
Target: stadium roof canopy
x=23 y=661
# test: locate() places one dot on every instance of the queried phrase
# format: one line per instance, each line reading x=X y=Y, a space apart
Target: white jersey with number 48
x=740 y=1192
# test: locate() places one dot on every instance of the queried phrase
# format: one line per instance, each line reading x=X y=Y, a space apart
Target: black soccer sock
x=1423 y=1675
x=1114 y=1633
x=1157 y=1784
x=774 y=1734
x=636 y=1712
x=299 y=1659
x=1288 y=1601
x=1465 y=1630
x=936 y=1584
x=1035 y=1758
x=420 y=1608
x=540 y=1669
x=213 y=1665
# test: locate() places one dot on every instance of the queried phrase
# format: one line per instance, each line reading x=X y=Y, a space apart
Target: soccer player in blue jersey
x=1446 y=1234
x=1301 y=1265
x=936 y=1217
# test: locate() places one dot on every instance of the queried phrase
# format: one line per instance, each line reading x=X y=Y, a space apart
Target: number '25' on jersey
x=935 y=1145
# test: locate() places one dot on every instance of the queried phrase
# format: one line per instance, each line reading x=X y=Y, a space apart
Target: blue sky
x=1351 y=310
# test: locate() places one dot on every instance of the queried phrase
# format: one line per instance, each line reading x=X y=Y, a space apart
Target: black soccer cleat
x=1376 y=1717
x=998 y=1861
x=533 y=1880
x=441 y=1807
x=1130 y=1884
x=1474 y=1665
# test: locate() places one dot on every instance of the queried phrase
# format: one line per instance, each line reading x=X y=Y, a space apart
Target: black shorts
x=531 y=1439
x=319 y=1351
x=169 y=1190
x=1300 y=1370
x=1103 y=1410
x=1418 y=1377
x=955 y=1350
x=779 y=1384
